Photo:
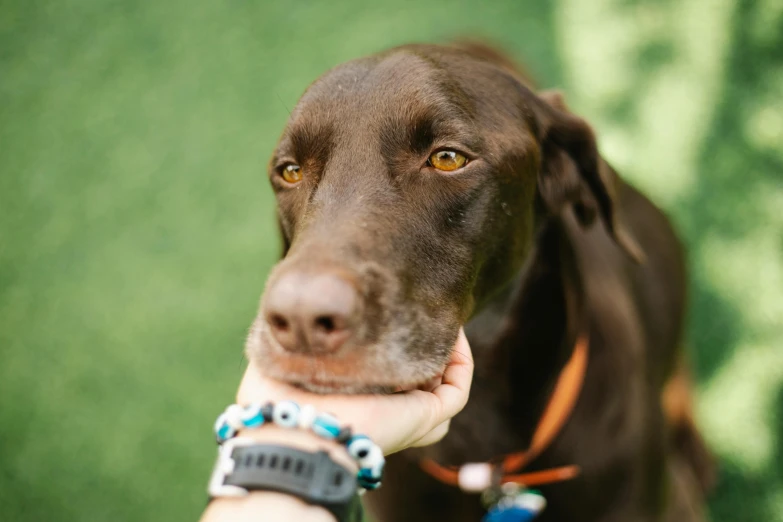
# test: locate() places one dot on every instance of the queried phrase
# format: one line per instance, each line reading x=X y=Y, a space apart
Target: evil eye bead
x=252 y=416
x=326 y=426
x=286 y=414
x=307 y=415
x=223 y=431
x=365 y=452
x=234 y=414
x=359 y=447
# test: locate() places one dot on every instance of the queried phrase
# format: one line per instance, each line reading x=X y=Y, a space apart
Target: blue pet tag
x=516 y=505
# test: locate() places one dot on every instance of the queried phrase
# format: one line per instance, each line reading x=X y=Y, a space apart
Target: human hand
x=394 y=422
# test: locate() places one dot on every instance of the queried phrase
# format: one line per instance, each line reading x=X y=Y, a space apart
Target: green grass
x=136 y=227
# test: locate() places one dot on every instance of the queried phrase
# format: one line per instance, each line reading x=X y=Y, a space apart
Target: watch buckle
x=224 y=466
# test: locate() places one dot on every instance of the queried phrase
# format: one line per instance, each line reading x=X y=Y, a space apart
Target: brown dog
x=426 y=187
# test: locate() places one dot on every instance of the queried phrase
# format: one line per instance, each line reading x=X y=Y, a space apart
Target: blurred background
x=136 y=224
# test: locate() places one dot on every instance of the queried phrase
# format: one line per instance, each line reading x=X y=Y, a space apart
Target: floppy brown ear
x=574 y=173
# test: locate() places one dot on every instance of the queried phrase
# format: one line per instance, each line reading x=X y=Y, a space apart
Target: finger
x=457 y=378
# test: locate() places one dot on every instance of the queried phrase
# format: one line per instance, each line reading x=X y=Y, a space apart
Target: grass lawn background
x=136 y=225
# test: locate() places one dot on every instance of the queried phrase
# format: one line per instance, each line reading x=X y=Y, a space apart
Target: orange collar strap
x=476 y=477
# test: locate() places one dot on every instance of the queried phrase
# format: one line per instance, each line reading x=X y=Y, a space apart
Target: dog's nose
x=311 y=313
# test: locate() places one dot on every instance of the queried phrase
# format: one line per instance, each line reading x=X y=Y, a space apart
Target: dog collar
x=476 y=477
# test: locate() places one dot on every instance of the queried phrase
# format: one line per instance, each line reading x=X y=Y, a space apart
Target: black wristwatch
x=243 y=465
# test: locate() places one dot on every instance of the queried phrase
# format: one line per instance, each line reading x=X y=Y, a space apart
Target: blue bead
x=254 y=422
x=367 y=479
x=252 y=416
x=368 y=484
x=367 y=475
x=509 y=514
x=326 y=426
x=225 y=432
x=374 y=472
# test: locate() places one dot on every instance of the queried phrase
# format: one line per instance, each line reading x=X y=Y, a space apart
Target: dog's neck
x=521 y=339
x=525 y=335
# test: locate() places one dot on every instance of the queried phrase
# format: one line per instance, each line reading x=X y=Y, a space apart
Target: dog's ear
x=574 y=173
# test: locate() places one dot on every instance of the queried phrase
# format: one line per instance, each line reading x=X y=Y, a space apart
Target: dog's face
x=408 y=189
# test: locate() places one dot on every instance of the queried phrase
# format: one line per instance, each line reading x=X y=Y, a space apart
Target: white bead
x=286 y=414
x=358 y=447
x=475 y=477
x=234 y=414
x=307 y=416
x=373 y=459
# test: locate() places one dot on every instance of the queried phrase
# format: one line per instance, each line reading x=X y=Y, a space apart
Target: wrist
x=298 y=452
x=274 y=507
x=277 y=506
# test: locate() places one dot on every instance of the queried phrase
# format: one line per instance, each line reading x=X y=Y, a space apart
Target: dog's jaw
x=351 y=374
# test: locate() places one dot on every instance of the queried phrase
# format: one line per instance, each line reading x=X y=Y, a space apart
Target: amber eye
x=292 y=173
x=447 y=160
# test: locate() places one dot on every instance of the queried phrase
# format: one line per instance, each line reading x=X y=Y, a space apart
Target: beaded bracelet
x=288 y=414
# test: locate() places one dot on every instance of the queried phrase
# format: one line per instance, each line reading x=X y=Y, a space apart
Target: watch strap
x=244 y=465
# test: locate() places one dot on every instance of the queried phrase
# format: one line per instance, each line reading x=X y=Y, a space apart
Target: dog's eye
x=447 y=160
x=292 y=173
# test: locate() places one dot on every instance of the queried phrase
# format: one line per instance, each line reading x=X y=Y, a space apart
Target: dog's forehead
x=370 y=102
x=387 y=85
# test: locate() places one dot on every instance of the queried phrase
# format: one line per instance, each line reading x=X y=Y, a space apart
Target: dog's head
x=410 y=186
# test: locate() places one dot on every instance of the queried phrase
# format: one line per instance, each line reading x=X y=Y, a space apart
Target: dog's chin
x=364 y=382
x=325 y=385
x=352 y=373
x=360 y=388
x=327 y=388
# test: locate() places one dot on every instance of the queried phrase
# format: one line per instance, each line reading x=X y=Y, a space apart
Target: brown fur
x=535 y=241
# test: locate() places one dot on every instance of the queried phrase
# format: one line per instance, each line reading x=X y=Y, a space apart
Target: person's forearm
x=277 y=507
